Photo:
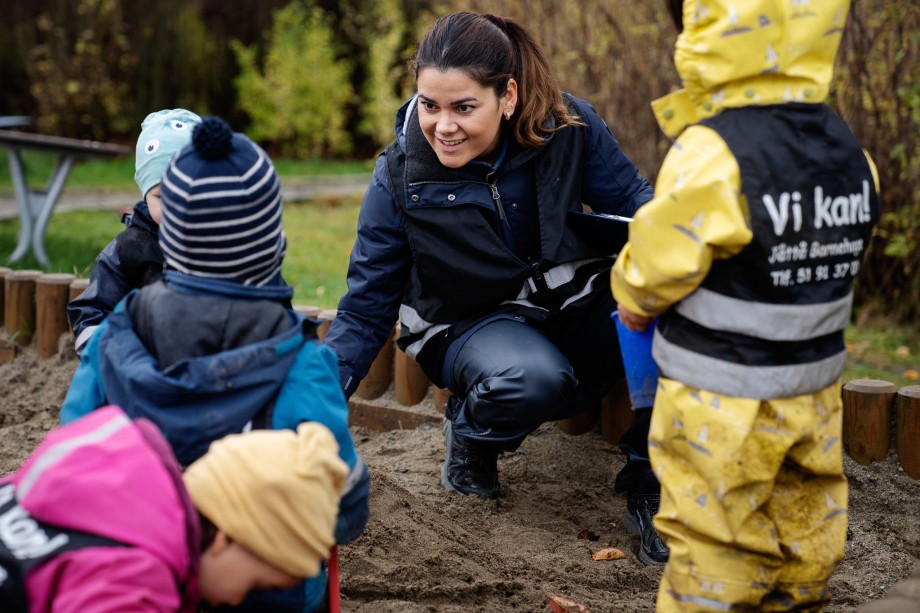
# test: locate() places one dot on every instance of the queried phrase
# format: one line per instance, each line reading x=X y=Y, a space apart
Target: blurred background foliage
x=322 y=78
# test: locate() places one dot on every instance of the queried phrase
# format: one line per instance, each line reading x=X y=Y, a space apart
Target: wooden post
x=383 y=418
x=77 y=286
x=867 y=419
x=410 y=384
x=309 y=310
x=7 y=347
x=4 y=271
x=326 y=316
x=907 y=437
x=51 y=294
x=581 y=423
x=380 y=375
x=19 y=299
x=616 y=413
x=439 y=396
x=7 y=350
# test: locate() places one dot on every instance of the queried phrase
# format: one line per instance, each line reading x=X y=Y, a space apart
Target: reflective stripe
x=84 y=337
x=355 y=476
x=554 y=277
x=413 y=350
x=772 y=322
x=524 y=303
x=58 y=452
x=558 y=276
x=525 y=292
x=759 y=382
x=411 y=319
x=589 y=286
x=709 y=603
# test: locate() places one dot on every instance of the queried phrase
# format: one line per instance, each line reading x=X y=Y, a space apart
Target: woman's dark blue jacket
x=390 y=264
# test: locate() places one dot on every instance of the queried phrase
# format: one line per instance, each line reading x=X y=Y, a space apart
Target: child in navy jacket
x=133 y=259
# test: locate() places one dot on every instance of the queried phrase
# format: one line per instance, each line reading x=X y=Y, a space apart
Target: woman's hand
x=633 y=321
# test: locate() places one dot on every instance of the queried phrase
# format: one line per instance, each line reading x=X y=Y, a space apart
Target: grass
x=118 y=173
x=880 y=350
x=319 y=235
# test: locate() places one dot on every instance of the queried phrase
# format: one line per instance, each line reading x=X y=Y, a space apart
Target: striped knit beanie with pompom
x=222 y=208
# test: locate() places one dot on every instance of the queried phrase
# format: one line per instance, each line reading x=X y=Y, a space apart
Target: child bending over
x=100 y=518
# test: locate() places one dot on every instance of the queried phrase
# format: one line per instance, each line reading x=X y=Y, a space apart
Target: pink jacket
x=112 y=477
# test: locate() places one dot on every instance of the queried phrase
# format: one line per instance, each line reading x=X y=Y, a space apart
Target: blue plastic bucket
x=640 y=366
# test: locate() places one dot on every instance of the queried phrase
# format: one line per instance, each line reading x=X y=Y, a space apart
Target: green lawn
x=319 y=236
x=118 y=173
x=879 y=350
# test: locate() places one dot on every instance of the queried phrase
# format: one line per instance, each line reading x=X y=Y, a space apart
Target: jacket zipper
x=498 y=200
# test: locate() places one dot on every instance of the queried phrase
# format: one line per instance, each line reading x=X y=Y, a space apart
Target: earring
x=508 y=115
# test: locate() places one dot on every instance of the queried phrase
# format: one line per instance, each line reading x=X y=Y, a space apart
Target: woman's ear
x=510 y=98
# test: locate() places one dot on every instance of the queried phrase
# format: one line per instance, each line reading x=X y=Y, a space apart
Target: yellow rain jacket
x=762 y=212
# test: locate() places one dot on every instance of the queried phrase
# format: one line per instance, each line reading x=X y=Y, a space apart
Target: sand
x=427 y=550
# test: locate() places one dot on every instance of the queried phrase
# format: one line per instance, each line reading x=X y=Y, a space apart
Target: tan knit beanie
x=276 y=492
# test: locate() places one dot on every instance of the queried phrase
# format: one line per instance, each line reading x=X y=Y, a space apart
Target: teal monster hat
x=163 y=133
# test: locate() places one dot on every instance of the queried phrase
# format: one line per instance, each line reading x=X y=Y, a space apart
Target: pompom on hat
x=222 y=208
x=163 y=133
x=275 y=492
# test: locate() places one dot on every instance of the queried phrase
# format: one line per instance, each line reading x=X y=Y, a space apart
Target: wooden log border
x=872 y=409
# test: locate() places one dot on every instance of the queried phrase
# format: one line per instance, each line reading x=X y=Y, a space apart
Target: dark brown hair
x=491 y=50
x=208 y=531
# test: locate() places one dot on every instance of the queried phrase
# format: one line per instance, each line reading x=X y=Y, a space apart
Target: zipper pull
x=498 y=203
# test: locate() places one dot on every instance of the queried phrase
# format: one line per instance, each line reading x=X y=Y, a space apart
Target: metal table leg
x=36 y=206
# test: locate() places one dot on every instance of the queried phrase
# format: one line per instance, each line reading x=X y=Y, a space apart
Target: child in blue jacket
x=133 y=259
x=214 y=348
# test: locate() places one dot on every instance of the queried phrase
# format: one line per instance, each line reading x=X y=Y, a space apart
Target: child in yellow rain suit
x=762 y=212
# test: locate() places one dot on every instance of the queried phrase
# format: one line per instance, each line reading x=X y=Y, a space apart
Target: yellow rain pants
x=753 y=499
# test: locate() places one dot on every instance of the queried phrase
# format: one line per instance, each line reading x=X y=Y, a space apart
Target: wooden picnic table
x=36 y=205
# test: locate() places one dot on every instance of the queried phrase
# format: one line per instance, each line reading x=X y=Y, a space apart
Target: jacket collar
x=276 y=289
x=142 y=219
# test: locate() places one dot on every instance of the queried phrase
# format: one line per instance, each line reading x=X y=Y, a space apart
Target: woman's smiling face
x=460 y=118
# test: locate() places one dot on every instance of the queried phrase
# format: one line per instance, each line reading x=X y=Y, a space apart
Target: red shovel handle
x=334 y=602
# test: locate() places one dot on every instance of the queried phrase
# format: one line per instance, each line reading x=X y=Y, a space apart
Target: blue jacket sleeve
x=311 y=392
x=611 y=183
x=85 y=393
x=107 y=285
x=378 y=272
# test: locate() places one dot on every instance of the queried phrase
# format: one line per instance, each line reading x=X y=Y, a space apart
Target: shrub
x=878 y=93
x=295 y=101
x=79 y=68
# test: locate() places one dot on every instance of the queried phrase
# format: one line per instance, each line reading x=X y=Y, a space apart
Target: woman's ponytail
x=539 y=93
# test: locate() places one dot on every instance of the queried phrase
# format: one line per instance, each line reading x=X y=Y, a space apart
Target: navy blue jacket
x=383 y=263
x=132 y=260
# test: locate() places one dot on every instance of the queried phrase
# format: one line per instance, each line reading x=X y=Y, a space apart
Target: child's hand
x=633 y=321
